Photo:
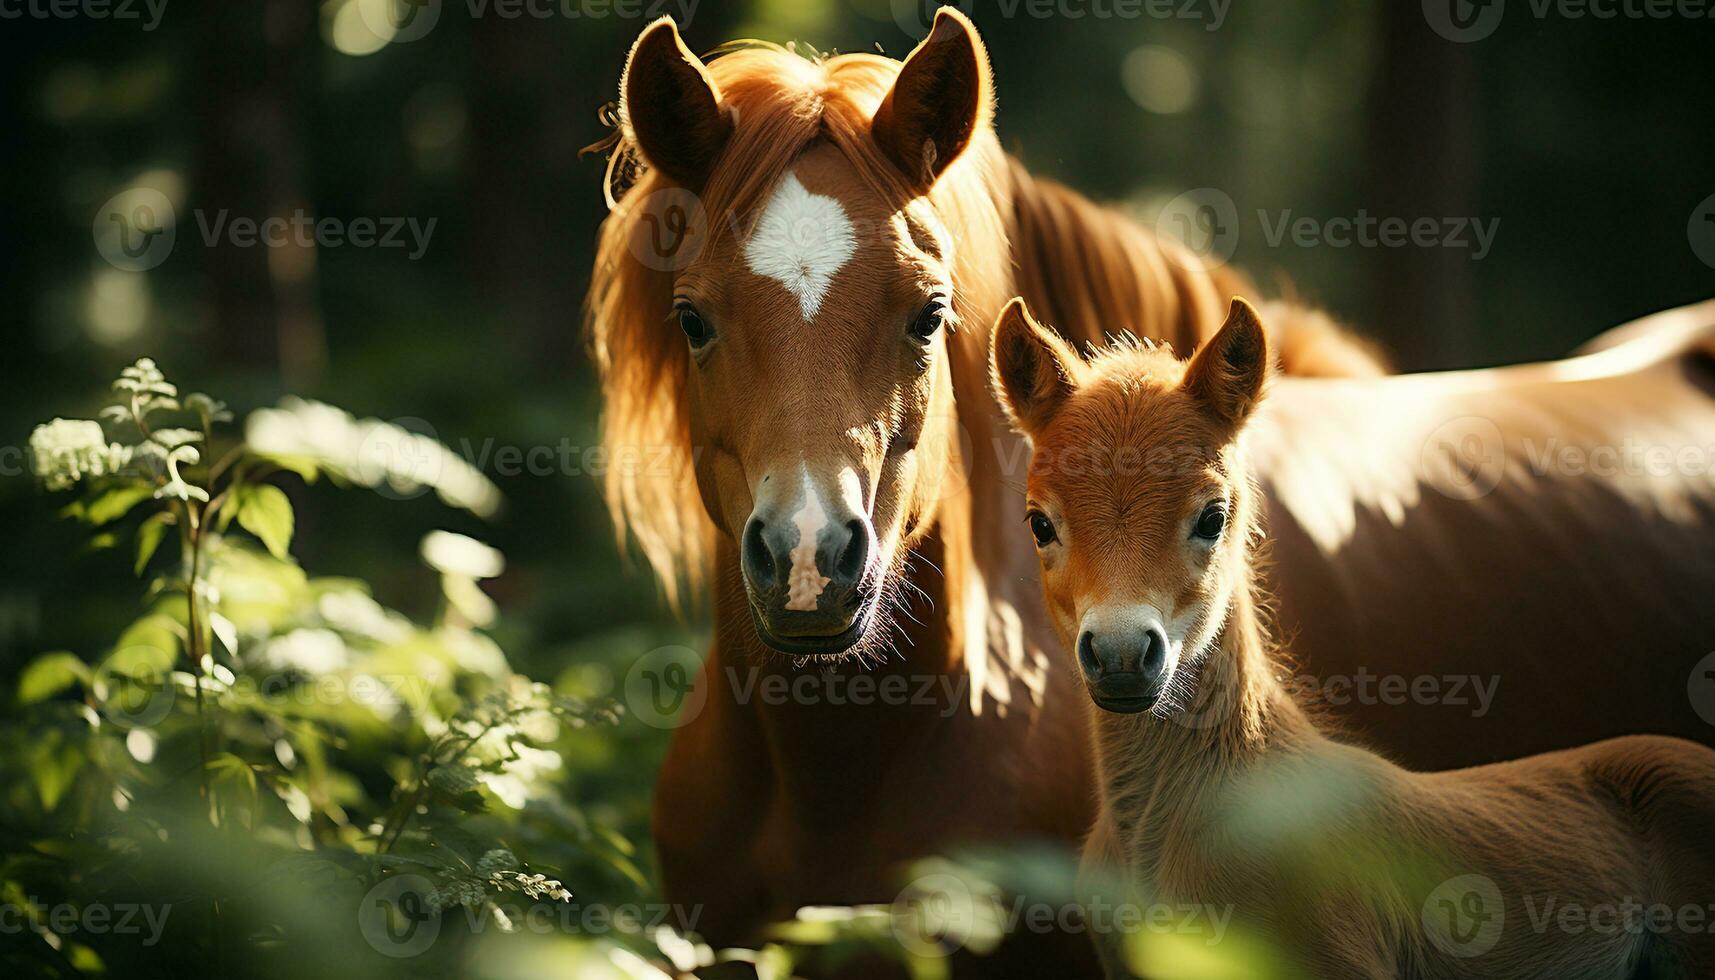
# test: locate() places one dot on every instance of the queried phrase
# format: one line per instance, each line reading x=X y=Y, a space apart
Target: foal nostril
x=1154 y=652
x=1087 y=654
x=849 y=566
x=758 y=560
x=1142 y=653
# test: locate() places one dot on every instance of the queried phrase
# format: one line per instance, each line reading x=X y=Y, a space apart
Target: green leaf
x=149 y=646
x=265 y=512
x=110 y=503
x=458 y=786
x=49 y=674
x=305 y=466
x=149 y=538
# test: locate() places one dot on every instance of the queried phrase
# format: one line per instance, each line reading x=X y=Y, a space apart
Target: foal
x=1217 y=788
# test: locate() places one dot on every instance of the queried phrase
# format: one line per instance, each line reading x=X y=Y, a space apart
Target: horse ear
x=943 y=94
x=1227 y=373
x=671 y=106
x=1034 y=370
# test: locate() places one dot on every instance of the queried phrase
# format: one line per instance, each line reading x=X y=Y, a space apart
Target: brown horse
x=1490 y=542
x=814 y=354
x=792 y=302
x=1219 y=790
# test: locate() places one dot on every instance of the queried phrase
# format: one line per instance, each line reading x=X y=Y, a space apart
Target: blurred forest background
x=1589 y=140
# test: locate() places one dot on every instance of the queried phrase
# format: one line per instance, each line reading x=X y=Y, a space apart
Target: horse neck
x=1239 y=713
x=809 y=738
x=1088 y=269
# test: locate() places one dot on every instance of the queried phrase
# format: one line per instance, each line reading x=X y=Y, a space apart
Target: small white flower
x=64 y=451
x=455 y=554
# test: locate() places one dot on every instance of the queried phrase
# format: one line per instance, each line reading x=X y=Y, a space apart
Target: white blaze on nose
x=804 y=583
x=801 y=241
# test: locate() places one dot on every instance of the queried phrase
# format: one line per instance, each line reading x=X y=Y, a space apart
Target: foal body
x=1217 y=788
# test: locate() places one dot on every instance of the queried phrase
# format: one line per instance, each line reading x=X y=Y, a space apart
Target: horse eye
x=696 y=329
x=1042 y=529
x=929 y=321
x=1211 y=522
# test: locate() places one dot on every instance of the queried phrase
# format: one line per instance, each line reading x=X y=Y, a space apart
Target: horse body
x=1217 y=786
x=809 y=390
x=1500 y=539
x=784 y=396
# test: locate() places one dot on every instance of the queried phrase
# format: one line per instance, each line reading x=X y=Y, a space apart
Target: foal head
x=1139 y=498
x=804 y=344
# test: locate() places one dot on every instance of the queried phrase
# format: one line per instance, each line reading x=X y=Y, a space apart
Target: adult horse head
x=798 y=347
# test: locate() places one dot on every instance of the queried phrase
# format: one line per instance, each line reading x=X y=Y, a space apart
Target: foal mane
x=785 y=103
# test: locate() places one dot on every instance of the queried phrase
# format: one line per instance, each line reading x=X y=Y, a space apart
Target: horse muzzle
x=1124 y=655
x=809 y=575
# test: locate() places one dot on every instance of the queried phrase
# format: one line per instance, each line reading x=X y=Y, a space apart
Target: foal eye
x=928 y=321
x=1042 y=529
x=1211 y=522
x=697 y=330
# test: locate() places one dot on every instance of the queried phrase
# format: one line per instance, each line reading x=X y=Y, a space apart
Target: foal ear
x=671 y=106
x=1034 y=370
x=943 y=94
x=1227 y=373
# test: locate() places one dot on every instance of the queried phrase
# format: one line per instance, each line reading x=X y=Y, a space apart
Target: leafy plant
x=256 y=709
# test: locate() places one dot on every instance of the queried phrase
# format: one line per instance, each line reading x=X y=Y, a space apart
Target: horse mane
x=1087 y=269
x=786 y=102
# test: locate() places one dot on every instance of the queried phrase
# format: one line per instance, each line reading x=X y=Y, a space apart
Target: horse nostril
x=848 y=568
x=1154 y=652
x=1087 y=653
x=758 y=560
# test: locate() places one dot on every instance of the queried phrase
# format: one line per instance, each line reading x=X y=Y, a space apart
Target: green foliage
x=262 y=751
x=256 y=718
